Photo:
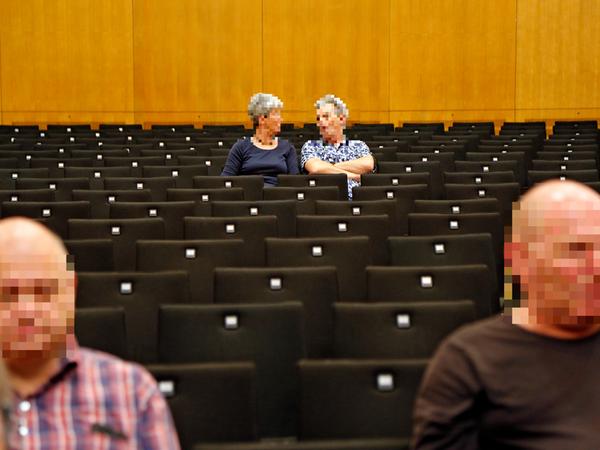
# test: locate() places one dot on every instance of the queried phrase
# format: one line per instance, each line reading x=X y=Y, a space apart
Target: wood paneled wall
x=199 y=61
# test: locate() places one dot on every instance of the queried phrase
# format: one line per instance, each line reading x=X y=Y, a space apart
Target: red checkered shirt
x=95 y=401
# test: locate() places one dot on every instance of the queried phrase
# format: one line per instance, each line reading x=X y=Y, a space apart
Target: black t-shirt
x=493 y=385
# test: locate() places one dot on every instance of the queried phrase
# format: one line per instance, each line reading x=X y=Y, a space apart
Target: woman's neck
x=264 y=137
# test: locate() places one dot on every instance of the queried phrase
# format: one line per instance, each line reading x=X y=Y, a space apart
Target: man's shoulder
x=313 y=144
x=476 y=333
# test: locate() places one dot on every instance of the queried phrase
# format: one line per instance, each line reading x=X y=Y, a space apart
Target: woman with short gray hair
x=264 y=153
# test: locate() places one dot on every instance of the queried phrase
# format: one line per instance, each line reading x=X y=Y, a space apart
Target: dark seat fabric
x=271 y=335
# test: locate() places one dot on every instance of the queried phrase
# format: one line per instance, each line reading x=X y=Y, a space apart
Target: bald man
x=65 y=397
x=527 y=378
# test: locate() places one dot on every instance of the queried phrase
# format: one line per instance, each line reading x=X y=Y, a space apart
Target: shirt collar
x=67 y=363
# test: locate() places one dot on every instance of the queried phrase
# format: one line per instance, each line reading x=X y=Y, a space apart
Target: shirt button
x=23 y=430
x=24 y=406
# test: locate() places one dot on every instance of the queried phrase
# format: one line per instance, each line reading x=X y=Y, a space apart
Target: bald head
x=19 y=235
x=555 y=252
x=37 y=291
x=552 y=204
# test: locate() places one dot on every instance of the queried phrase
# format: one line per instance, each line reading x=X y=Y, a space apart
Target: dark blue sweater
x=245 y=158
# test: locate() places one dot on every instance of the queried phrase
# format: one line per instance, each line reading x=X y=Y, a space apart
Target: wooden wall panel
x=315 y=47
x=558 y=59
x=196 y=58
x=452 y=58
x=199 y=61
x=66 y=60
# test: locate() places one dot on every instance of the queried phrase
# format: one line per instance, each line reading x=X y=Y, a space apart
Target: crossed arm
x=353 y=168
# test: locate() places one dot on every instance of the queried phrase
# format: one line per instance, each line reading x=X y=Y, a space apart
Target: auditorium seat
x=135 y=163
x=270 y=335
x=584 y=164
x=171 y=212
x=358 y=399
x=505 y=193
x=479 y=205
x=123 y=232
x=56 y=166
x=27 y=195
x=284 y=210
x=252 y=185
x=338 y=180
x=446 y=159
x=55 y=215
x=305 y=197
x=359 y=208
x=314 y=287
x=157 y=185
x=96 y=175
x=252 y=230
x=210 y=402
x=428 y=283
x=201 y=195
x=349 y=255
x=62 y=187
x=102 y=329
x=432 y=167
x=583 y=176
x=446 y=250
x=91 y=255
x=376 y=228
x=100 y=199
x=140 y=295
x=183 y=174
x=197 y=257
x=396 y=330
x=478 y=177
x=493 y=166
x=404 y=195
x=425 y=224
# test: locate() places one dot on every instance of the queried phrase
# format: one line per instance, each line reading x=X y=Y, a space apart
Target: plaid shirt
x=95 y=401
x=347 y=150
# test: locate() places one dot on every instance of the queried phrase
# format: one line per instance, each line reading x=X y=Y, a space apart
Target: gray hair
x=339 y=106
x=262 y=104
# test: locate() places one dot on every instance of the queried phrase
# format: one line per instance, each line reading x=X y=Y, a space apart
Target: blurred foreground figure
x=65 y=397
x=528 y=378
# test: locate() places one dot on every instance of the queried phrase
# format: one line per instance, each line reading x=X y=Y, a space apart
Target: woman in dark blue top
x=264 y=153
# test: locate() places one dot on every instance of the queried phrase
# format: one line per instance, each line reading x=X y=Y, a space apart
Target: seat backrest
x=349 y=255
x=404 y=196
x=396 y=330
x=157 y=185
x=382 y=393
x=284 y=210
x=210 y=402
x=62 y=187
x=91 y=255
x=171 y=212
x=197 y=257
x=427 y=283
x=252 y=230
x=314 y=287
x=55 y=215
x=140 y=295
x=123 y=232
x=376 y=228
x=270 y=335
x=445 y=251
x=465 y=206
x=338 y=180
x=434 y=169
x=305 y=197
x=251 y=184
x=100 y=199
x=91 y=325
